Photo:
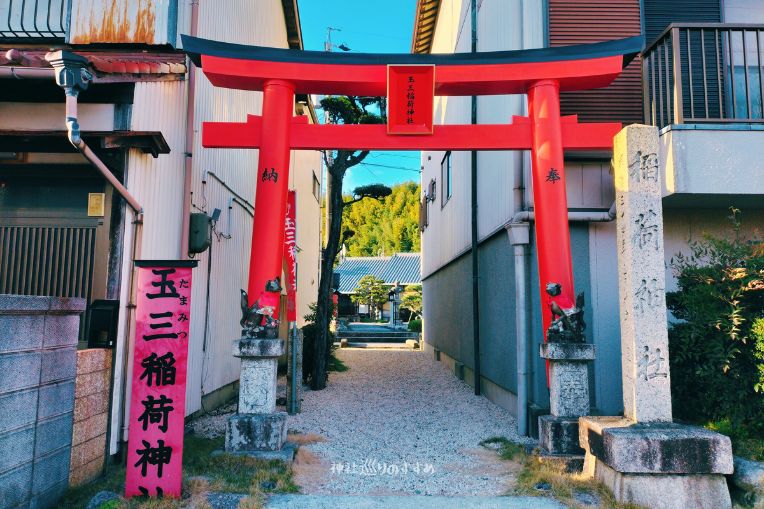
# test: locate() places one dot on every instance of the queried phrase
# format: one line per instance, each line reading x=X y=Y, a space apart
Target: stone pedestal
x=658 y=465
x=257 y=429
x=568 y=395
x=643 y=457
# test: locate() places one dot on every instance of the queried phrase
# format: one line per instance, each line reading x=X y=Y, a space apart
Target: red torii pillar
x=266 y=256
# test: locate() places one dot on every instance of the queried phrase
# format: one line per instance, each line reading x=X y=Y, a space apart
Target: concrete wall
x=713 y=160
x=38 y=337
x=448 y=325
x=91 y=411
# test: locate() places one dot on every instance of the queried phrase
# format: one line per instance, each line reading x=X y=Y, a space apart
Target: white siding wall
x=743 y=11
x=511 y=24
x=158 y=184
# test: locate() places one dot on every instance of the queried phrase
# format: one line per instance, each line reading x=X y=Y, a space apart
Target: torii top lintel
x=578 y=67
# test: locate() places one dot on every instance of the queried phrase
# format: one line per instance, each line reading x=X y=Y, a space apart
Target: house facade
x=66 y=232
x=397 y=271
x=699 y=82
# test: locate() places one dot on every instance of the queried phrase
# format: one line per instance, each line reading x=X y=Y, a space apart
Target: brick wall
x=38 y=337
x=91 y=411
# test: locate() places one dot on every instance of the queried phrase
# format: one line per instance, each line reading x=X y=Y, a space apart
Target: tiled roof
x=106 y=62
x=400 y=267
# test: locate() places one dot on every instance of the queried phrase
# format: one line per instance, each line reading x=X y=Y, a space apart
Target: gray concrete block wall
x=448 y=312
x=38 y=338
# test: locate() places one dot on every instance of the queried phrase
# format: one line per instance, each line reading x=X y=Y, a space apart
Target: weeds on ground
x=545 y=478
x=202 y=472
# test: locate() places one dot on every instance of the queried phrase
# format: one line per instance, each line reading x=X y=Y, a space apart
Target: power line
x=390 y=167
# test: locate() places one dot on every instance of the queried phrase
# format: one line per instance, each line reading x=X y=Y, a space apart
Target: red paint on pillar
x=272 y=186
x=549 y=196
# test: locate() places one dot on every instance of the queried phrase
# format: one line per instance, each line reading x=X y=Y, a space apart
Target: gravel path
x=398 y=422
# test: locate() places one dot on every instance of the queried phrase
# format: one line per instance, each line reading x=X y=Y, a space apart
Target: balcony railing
x=704 y=73
x=34 y=19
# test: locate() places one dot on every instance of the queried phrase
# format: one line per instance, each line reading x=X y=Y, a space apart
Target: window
x=316 y=188
x=446 y=179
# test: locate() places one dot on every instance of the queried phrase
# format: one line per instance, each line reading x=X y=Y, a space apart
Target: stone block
x=568 y=388
x=92 y=383
x=23 y=304
x=85 y=473
x=697 y=491
x=255 y=432
x=257 y=387
x=20 y=332
x=67 y=305
x=58 y=364
x=91 y=427
x=56 y=399
x=559 y=435
x=93 y=359
x=567 y=351
x=20 y=371
x=15 y=486
x=17 y=448
x=50 y=470
x=18 y=409
x=412 y=343
x=589 y=424
x=91 y=405
x=53 y=434
x=84 y=453
x=50 y=497
x=249 y=347
x=664 y=448
x=748 y=476
x=61 y=330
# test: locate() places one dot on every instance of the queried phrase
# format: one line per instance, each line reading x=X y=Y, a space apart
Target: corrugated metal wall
x=588 y=21
x=123 y=21
x=660 y=13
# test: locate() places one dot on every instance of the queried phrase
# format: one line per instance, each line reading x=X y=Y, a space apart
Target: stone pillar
x=295 y=364
x=641 y=272
x=643 y=457
x=568 y=396
x=258 y=429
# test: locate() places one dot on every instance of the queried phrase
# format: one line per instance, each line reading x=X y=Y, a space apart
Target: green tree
x=412 y=300
x=370 y=291
x=341 y=110
x=387 y=226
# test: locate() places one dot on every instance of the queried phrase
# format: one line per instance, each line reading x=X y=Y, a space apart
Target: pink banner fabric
x=290 y=255
x=158 y=399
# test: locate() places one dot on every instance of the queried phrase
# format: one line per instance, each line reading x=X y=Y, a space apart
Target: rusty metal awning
x=148 y=142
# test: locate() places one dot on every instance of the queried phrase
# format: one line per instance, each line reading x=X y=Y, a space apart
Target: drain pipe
x=190 y=135
x=71 y=75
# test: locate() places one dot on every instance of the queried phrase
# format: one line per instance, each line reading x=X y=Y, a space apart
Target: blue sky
x=367 y=27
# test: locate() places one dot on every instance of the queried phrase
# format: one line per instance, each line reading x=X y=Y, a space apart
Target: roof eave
x=292 y=21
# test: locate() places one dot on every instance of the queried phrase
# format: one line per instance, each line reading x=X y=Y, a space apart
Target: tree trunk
x=323 y=309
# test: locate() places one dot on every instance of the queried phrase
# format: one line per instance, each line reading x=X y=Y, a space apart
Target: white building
x=134 y=114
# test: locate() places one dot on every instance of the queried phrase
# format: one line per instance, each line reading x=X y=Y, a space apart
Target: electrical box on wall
x=200 y=233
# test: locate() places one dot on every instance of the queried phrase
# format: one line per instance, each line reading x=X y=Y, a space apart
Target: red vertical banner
x=410 y=94
x=290 y=255
x=158 y=396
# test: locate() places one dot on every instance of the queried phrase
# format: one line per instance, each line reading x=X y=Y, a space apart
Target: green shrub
x=717 y=343
x=415 y=325
x=309 y=335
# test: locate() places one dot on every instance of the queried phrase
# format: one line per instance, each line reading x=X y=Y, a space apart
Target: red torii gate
x=540 y=73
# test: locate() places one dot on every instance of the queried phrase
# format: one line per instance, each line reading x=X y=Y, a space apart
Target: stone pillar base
x=259 y=435
x=559 y=435
x=568 y=398
x=657 y=465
